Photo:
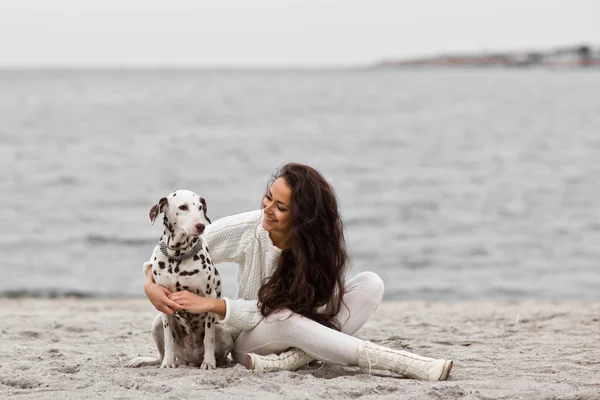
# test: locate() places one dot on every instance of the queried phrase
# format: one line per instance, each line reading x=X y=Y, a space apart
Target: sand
x=78 y=349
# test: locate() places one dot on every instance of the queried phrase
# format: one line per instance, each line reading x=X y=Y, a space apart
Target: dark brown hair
x=309 y=279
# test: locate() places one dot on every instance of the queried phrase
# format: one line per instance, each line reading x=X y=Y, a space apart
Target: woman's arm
x=195 y=304
x=240 y=314
x=158 y=295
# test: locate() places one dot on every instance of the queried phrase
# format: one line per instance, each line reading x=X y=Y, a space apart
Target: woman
x=292 y=304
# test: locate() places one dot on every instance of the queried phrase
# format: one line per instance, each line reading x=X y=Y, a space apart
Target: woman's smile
x=269 y=222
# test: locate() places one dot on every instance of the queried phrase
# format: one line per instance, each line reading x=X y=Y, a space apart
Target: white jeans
x=284 y=329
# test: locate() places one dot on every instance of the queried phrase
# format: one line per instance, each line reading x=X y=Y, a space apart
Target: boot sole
x=446 y=371
x=247 y=361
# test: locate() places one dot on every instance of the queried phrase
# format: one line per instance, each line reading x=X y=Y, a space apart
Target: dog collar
x=180 y=257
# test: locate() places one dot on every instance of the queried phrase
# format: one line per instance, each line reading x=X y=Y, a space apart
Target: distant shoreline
x=569 y=56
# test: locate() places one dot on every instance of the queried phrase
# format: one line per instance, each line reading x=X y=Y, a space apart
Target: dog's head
x=184 y=210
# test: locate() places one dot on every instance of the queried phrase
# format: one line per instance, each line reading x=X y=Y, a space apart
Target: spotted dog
x=181 y=261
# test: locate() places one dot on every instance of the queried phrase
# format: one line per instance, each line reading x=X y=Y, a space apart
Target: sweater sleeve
x=225 y=237
x=241 y=314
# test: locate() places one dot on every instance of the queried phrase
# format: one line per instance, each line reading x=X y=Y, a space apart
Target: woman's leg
x=285 y=329
x=362 y=295
x=282 y=330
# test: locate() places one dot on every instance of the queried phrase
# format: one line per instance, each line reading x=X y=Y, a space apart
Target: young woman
x=292 y=304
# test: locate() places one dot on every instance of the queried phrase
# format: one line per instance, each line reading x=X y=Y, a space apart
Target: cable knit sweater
x=242 y=239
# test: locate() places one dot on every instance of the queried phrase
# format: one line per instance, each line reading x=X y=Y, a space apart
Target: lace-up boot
x=371 y=356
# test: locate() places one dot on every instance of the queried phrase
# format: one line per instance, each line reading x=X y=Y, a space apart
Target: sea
x=453 y=183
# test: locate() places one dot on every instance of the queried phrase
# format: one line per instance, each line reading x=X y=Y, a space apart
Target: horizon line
x=174 y=66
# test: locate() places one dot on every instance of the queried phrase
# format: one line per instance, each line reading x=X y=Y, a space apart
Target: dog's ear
x=204 y=209
x=157 y=209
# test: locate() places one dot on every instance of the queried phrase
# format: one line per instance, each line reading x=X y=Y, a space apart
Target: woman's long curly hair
x=309 y=279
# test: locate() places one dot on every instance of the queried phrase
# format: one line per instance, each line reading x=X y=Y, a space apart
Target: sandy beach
x=78 y=349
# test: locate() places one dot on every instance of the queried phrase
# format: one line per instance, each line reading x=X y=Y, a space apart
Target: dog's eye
x=183 y=207
x=200 y=208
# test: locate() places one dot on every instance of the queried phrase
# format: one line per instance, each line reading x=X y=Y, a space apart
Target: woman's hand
x=159 y=297
x=195 y=304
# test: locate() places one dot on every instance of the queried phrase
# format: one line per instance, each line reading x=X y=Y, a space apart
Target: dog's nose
x=200 y=227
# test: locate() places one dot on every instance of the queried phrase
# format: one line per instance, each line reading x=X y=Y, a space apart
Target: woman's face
x=276 y=207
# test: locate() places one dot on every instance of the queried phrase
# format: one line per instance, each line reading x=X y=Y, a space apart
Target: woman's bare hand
x=159 y=297
x=195 y=304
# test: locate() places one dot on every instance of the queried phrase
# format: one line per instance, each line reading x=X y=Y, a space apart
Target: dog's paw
x=209 y=362
x=168 y=364
x=209 y=365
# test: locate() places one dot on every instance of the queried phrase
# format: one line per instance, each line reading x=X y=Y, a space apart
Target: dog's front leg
x=210 y=361
x=169 y=357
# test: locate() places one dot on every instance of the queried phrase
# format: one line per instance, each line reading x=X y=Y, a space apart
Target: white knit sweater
x=242 y=239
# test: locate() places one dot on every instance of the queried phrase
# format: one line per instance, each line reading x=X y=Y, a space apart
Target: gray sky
x=280 y=32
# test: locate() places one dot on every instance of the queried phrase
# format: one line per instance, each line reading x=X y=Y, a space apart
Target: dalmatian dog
x=181 y=261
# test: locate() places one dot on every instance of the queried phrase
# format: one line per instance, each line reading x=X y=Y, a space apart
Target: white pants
x=284 y=329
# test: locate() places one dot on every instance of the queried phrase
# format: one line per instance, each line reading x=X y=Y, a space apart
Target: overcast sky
x=280 y=32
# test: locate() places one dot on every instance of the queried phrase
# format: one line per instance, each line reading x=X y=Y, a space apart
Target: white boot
x=372 y=356
x=289 y=360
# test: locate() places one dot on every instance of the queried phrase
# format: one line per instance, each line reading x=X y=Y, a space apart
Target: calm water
x=454 y=184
